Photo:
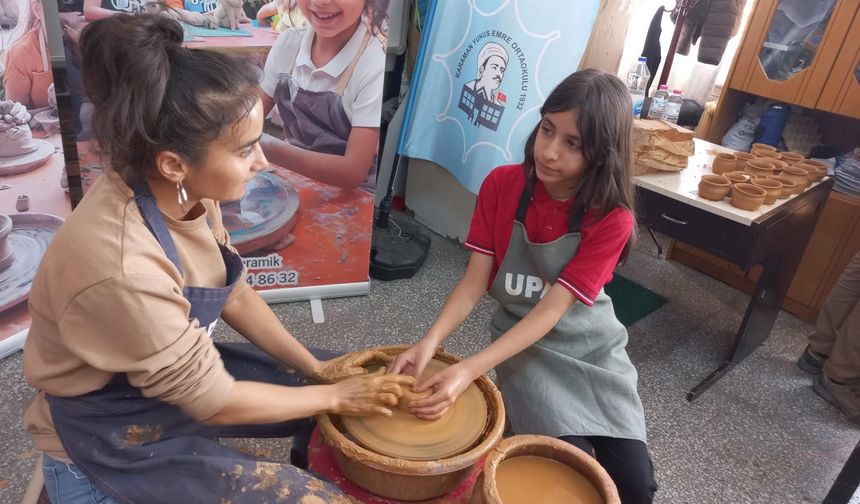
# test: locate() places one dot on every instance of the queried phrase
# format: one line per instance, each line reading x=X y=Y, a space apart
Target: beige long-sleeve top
x=106 y=300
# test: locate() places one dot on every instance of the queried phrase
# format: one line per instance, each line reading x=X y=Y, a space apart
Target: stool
x=321 y=461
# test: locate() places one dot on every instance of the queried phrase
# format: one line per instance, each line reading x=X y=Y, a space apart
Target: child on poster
x=326 y=81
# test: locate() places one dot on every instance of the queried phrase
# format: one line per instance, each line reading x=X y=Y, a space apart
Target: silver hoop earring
x=181 y=195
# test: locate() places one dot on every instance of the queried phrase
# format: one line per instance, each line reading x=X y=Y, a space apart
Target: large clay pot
x=742 y=158
x=724 y=162
x=7 y=253
x=760 y=167
x=789 y=185
x=409 y=480
x=747 y=197
x=487 y=492
x=714 y=187
x=773 y=188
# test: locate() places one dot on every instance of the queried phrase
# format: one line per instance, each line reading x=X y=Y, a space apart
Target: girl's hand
x=370 y=394
x=448 y=385
x=413 y=361
x=347 y=366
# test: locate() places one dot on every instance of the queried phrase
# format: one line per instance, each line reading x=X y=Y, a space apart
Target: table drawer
x=720 y=236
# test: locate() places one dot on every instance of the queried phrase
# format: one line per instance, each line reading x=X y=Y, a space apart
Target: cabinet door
x=790 y=56
x=841 y=94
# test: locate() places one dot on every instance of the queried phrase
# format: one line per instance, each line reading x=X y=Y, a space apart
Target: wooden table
x=775 y=237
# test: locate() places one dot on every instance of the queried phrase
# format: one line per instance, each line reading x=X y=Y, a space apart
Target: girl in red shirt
x=545 y=236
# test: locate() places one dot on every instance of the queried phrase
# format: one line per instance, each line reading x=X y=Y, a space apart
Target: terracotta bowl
x=773 y=188
x=714 y=187
x=810 y=164
x=7 y=253
x=762 y=146
x=778 y=165
x=742 y=158
x=487 y=492
x=792 y=157
x=748 y=197
x=409 y=480
x=738 y=176
x=760 y=167
x=724 y=162
x=789 y=186
x=765 y=153
x=799 y=175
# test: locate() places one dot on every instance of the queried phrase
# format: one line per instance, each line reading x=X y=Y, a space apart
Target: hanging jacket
x=715 y=22
x=652 y=50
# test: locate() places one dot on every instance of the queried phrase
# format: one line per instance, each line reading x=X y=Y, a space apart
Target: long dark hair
x=605 y=121
x=376 y=13
x=150 y=94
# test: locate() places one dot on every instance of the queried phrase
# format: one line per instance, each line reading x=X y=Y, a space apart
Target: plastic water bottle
x=658 y=103
x=637 y=79
x=673 y=106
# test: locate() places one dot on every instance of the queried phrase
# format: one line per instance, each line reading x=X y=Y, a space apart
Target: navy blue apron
x=144 y=451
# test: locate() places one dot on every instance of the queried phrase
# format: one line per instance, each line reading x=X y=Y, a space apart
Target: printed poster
x=485 y=70
x=34 y=196
x=294 y=230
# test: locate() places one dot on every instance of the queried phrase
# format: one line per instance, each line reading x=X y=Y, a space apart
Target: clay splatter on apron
x=137 y=435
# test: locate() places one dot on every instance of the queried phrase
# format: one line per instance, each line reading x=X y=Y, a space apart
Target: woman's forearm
x=264 y=403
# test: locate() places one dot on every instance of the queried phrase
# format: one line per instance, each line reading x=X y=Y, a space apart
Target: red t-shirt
x=546 y=220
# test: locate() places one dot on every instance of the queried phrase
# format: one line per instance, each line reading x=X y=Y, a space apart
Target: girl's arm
x=93 y=10
x=251 y=317
x=463 y=299
x=347 y=171
x=451 y=382
x=267 y=11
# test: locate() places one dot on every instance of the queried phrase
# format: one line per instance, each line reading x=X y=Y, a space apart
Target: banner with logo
x=485 y=68
x=300 y=237
x=34 y=193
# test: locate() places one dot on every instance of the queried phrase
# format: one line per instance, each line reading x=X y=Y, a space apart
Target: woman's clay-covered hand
x=413 y=361
x=447 y=385
x=370 y=394
x=13 y=113
x=349 y=365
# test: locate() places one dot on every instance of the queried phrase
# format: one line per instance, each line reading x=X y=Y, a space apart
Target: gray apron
x=316 y=120
x=576 y=380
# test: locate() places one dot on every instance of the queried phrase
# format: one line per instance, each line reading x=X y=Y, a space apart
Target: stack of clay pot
x=759 y=177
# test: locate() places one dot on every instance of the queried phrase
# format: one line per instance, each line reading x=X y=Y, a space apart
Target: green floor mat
x=632 y=301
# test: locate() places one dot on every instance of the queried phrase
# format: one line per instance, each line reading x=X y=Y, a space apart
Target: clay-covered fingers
x=369 y=394
x=351 y=365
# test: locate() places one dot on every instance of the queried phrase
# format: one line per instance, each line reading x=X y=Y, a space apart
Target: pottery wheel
x=403 y=435
x=265 y=214
x=31 y=233
x=26 y=162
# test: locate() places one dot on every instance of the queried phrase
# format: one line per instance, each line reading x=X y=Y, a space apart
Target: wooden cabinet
x=841 y=93
x=790 y=48
x=835 y=241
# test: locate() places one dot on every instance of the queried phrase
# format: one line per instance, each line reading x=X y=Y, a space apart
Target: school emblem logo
x=481 y=99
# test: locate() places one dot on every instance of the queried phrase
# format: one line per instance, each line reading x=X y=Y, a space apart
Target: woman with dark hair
x=326 y=81
x=546 y=236
x=133 y=393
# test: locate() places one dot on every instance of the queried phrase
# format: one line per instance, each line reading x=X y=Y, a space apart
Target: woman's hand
x=347 y=366
x=413 y=361
x=370 y=394
x=448 y=385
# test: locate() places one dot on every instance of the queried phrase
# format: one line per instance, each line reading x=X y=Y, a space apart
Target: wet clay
x=403 y=435
x=540 y=480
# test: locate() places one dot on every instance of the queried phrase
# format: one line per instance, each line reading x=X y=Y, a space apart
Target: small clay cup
x=23 y=203
x=742 y=158
x=764 y=153
x=760 y=167
x=762 y=146
x=738 y=176
x=773 y=188
x=798 y=175
x=789 y=186
x=714 y=187
x=724 y=163
x=7 y=253
x=810 y=164
x=748 y=197
x=792 y=157
x=778 y=165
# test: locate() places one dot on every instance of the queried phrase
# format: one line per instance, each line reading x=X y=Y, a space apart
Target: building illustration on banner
x=480 y=99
